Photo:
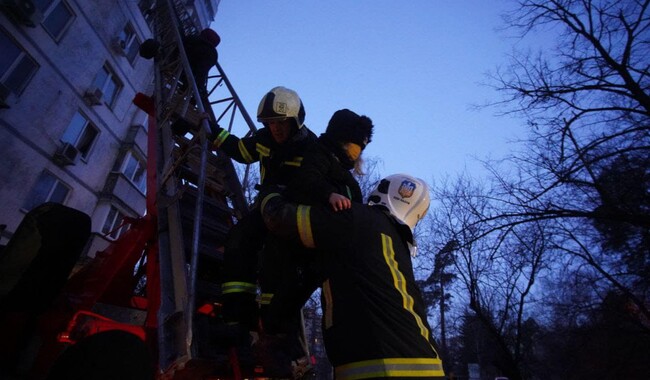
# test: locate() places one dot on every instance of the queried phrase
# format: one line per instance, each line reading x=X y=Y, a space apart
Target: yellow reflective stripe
x=391 y=367
x=400 y=284
x=304 y=226
x=244 y=152
x=238 y=287
x=327 y=294
x=265 y=298
x=262 y=150
x=297 y=161
x=266 y=200
x=221 y=137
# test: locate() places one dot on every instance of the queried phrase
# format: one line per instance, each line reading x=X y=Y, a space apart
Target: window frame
x=79 y=137
x=32 y=198
x=49 y=10
x=111 y=77
x=109 y=229
x=23 y=57
x=146 y=8
x=131 y=43
x=139 y=171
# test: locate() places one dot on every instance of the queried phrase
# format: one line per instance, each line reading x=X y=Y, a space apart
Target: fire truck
x=147 y=306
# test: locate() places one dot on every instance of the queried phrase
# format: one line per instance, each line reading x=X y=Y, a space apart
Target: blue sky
x=413 y=67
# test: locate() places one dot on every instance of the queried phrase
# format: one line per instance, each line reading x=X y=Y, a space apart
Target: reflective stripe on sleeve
x=297 y=161
x=238 y=287
x=244 y=152
x=391 y=367
x=304 y=226
x=266 y=200
x=221 y=137
x=262 y=150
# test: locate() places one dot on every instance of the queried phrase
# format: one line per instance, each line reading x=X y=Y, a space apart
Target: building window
x=80 y=133
x=210 y=9
x=112 y=224
x=16 y=67
x=48 y=188
x=57 y=16
x=106 y=81
x=135 y=170
x=146 y=7
x=127 y=43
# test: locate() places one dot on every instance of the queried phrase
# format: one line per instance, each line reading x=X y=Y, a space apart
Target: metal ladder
x=199 y=192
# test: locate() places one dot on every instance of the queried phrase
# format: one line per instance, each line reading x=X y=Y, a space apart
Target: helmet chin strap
x=413 y=249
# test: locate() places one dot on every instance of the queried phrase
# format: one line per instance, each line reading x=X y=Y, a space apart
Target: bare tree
x=588 y=108
x=497 y=272
x=369 y=175
x=576 y=198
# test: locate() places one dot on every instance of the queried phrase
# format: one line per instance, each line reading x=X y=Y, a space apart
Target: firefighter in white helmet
x=279 y=148
x=374 y=320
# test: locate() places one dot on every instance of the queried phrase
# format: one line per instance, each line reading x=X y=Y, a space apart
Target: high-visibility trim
x=262 y=150
x=329 y=304
x=238 y=287
x=244 y=152
x=265 y=298
x=297 y=161
x=221 y=137
x=266 y=200
x=391 y=367
x=399 y=281
x=304 y=226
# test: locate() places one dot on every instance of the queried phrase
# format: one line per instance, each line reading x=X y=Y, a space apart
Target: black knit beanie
x=347 y=126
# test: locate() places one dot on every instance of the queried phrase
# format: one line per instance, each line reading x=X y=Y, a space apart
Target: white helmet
x=405 y=197
x=281 y=103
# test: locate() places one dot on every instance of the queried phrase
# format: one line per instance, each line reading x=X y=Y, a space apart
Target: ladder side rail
x=238 y=198
x=183 y=17
x=198 y=211
x=236 y=99
x=173 y=334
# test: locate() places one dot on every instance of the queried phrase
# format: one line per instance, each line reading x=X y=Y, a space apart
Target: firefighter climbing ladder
x=193 y=212
x=193 y=198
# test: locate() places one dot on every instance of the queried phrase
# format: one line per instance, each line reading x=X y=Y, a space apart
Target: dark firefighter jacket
x=374 y=320
x=278 y=163
x=322 y=174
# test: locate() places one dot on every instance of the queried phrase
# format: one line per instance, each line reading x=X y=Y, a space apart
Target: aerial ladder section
x=160 y=281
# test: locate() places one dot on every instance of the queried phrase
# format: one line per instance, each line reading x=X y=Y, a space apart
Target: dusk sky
x=414 y=67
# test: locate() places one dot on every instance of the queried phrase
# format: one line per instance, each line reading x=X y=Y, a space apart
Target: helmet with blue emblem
x=405 y=197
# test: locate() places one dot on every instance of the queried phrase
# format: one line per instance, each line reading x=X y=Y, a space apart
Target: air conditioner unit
x=119 y=46
x=93 y=96
x=6 y=96
x=67 y=154
x=22 y=11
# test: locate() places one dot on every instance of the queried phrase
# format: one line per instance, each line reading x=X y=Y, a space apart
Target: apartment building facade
x=69 y=70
